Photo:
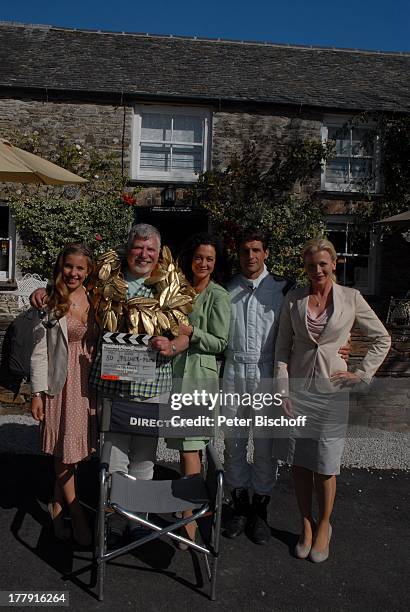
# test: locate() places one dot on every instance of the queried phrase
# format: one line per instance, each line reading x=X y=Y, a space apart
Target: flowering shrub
x=48 y=217
x=129 y=199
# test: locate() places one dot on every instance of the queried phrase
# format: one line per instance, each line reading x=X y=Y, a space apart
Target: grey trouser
x=133 y=455
x=260 y=476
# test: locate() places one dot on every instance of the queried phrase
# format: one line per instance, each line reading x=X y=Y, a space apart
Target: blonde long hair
x=58 y=300
x=319 y=244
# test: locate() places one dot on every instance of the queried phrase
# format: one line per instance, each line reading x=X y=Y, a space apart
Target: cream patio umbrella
x=19 y=166
x=403 y=217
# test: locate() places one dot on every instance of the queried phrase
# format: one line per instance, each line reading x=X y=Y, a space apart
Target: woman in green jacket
x=202 y=262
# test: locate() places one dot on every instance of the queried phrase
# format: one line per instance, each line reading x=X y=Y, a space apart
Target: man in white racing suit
x=256 y=297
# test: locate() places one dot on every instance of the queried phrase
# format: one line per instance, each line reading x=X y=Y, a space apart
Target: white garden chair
x=26 y=286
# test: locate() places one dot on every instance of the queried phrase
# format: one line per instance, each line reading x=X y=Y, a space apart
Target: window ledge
x=349 y=195
x=159 y=182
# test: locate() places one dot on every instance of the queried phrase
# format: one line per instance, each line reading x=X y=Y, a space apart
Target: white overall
x=249 y=360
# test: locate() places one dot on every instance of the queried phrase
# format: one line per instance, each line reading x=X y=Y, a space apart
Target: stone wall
x=270 y=131
x=100 y=125
x=387 y=405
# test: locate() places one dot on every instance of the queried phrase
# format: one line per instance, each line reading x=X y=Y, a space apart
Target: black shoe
x=258 y=529
x=241 y=507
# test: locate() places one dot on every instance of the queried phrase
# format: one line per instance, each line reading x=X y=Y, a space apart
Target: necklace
x=74 y=304
x=317 y=302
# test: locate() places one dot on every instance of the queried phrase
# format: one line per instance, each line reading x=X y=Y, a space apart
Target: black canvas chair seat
x=159 y=496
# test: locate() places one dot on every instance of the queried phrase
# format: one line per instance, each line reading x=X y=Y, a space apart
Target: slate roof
x=201 y=69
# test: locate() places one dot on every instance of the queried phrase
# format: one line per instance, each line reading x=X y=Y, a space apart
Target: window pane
x=155 y=127
x=342 y=147
x=187 y=129
x=337 y=170
x=358 y=242
x=362 y=142
x=361 y=168
x=353 y=271
x=341 y=138
x=356 y=271
x=338 y=239
x=187 y=158
x=155 y=158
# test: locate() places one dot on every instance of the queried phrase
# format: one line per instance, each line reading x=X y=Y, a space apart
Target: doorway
x=175 y=225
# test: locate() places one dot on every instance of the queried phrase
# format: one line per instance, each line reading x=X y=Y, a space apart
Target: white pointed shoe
x=318 y=556
x=302 y=552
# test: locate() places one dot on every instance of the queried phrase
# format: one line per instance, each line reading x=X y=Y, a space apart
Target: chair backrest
x=129 y=417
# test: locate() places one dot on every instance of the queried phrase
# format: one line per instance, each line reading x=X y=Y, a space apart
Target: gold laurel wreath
x=172 y=301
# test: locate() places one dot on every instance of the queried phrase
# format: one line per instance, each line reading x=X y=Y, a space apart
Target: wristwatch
x=37 y=394
x=174 y=349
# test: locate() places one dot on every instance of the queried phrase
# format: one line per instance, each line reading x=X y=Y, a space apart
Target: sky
x=357 y=24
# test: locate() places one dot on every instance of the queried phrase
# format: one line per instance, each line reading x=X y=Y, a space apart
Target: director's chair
x=133 y=499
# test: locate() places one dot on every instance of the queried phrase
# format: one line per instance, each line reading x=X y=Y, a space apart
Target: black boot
x=259 y=531
x=241 y=507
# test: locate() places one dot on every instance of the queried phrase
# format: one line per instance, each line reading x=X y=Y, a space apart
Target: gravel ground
x=365 y=448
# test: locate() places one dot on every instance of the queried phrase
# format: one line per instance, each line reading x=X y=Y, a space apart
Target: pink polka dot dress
x=70 y=429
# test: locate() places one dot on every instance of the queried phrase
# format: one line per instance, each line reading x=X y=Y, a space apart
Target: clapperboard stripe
x=129 y=339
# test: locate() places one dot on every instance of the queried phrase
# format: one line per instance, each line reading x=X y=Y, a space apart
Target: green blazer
x=210 y=318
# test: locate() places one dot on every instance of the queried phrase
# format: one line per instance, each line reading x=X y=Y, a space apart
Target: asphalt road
x=367 y=569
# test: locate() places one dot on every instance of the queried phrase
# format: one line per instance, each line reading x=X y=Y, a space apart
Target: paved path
x=367 y=570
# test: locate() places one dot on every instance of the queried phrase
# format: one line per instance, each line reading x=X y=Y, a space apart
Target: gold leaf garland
x=172 y=301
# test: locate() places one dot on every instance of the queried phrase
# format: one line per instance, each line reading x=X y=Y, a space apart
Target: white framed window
x=355 y=164
x=170 y=143
x=356 y=251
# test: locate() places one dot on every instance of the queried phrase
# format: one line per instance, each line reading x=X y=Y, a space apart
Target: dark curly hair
x=252 y=233
x=186 y=254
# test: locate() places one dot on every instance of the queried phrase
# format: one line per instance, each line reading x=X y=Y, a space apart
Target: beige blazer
x=299 y=357
x=49 y=359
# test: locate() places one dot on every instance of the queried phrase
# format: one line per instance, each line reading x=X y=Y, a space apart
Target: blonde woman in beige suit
x=312 y=377
x=64 y=341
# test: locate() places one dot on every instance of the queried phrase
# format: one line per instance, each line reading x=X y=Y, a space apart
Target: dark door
x=174 y=225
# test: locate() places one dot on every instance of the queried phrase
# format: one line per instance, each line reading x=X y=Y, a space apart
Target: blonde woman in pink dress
x=64 y=342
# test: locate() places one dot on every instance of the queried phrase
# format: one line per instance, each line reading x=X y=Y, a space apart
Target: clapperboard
x=127 y=357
